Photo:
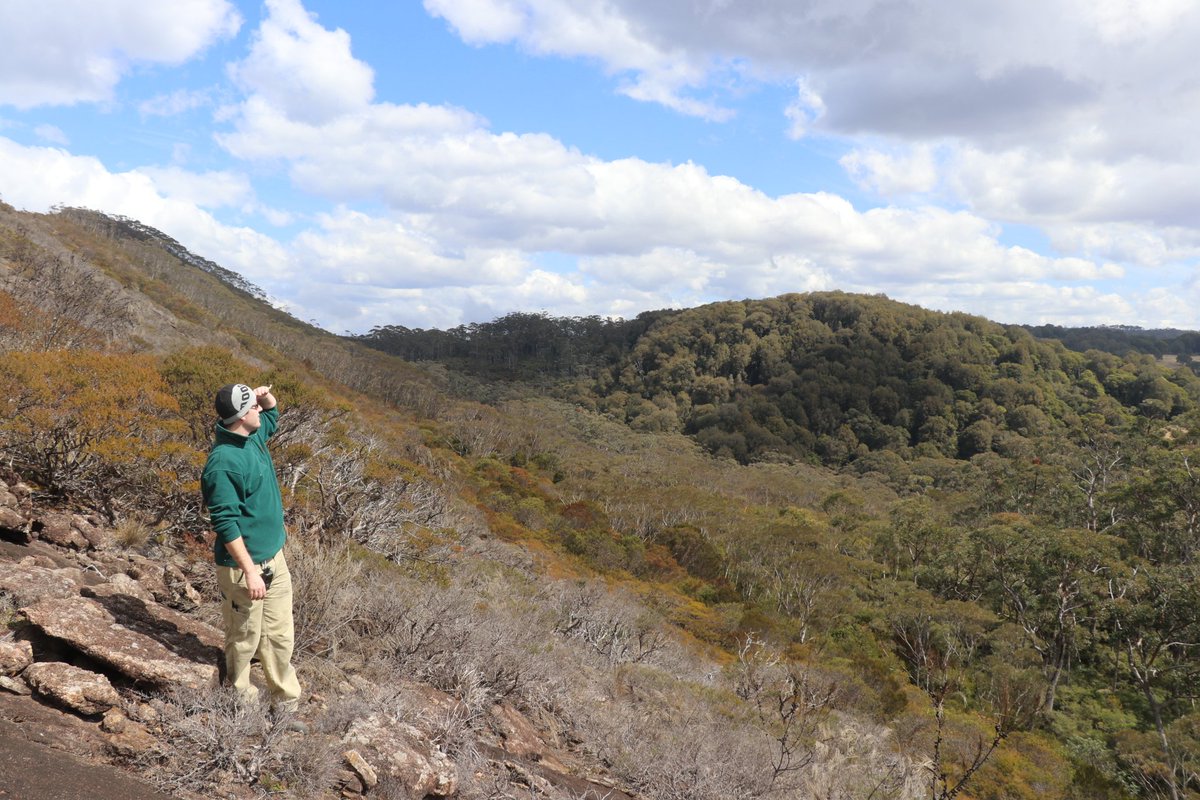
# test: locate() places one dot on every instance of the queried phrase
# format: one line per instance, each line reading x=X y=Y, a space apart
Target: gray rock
x=119 y=583
x=14 y=685
x=14 y=656
x=98 y=538
x=518 y=734
x=146 y=643
x=151 y=575
x=84 y=691
x=400 y=751
x=28 y=583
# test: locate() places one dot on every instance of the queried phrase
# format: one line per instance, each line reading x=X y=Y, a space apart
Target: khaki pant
x=261 y=628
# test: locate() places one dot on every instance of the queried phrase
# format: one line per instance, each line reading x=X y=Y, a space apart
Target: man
x=246 y=508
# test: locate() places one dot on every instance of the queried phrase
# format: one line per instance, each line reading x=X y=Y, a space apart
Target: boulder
x=400 y=751
x=183 y=595
x=78 y=689
x=119 y=583
x=98 y=537
x=57 y=529
x=151 y=575
x=131 y=741
x=7 y=498
x=14 y=526
x=146 y=643
x=28 y=583
x=14 y=656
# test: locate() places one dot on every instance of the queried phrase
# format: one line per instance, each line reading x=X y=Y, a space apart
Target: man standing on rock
x=246 y=508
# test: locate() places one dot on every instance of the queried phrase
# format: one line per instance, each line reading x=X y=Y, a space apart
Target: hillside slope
x=576 y=593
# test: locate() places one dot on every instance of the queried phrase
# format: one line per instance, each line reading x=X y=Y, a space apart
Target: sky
x=429 y=164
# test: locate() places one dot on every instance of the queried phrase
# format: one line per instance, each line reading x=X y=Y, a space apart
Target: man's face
x=251 y=421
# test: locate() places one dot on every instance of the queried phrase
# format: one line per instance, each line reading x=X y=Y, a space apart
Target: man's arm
x=254 y=582
x=266 y=402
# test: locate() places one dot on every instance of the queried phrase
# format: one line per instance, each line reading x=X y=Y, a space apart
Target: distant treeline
x=831 y=376
x=1121 y=339
x=519 y=346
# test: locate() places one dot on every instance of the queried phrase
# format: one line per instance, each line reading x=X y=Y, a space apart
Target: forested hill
x=828 y=376
x=1121 y=339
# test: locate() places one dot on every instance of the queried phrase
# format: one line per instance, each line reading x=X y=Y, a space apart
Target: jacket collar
x=226 y=436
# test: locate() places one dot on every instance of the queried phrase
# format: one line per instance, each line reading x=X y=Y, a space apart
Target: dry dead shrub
x=676 y=746
x=613 y=625
x=209 y=739
x=855 y=760
x=329 y=597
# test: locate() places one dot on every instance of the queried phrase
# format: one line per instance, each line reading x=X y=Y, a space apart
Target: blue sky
x=438 y=162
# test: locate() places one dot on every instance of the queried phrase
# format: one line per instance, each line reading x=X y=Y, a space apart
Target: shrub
x=99 y=427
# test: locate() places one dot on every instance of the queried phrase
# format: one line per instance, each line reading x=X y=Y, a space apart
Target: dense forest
x=824 y=377
x=818 y=545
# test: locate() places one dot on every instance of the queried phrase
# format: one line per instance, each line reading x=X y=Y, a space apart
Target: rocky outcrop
x=78 y=689
x=95 y=608
x=402 y=752
x=147 y=644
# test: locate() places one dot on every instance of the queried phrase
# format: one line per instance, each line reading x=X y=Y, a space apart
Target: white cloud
x=465 y=211
x=652 y=69
x=214 y=189
x=1072 y=111
x=37 y=178
x=804 y=111
x=60 y=52
x=354 y=248
x=303 y=69
x=893 y=173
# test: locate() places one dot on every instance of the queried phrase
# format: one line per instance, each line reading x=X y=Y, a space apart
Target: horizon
x=437 y=164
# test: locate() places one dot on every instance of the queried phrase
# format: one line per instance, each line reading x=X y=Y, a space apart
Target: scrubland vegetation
x=815 y=546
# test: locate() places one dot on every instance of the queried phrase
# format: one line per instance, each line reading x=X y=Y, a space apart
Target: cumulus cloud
x=432 y=218
x=37 y=178
x=303 y=69
x=652 y=68
x=1071 y=111
x=60 y=52
x=464 y=212
x=212 y=189
x=893 y=173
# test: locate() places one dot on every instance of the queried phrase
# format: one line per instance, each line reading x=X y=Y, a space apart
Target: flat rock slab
x=146 y=643
x=28 y=583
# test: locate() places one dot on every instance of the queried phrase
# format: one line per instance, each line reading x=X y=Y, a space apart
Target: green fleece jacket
x=242 y=493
